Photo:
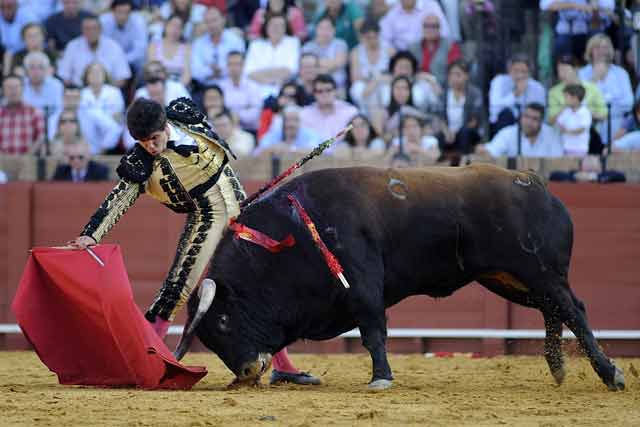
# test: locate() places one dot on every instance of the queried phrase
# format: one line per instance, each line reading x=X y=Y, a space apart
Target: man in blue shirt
x=128 y=29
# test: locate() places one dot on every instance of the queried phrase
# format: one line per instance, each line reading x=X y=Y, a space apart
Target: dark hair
x=403 y=54
x=324 y=78
x=91 y=18
x=576 y=90
x=349 y=139
x=268 y=16
x=326 y=18
x=145 y=117
x=31 y=25
x=311 y=54
x=164 y=26
x=235 y=52
x=369 y=25
x=519 y=58
x=393 y=105
x=71 y=86
x=567 y=59
x=535 y=106
x=116 y=3
x=299 y=97
x=459 y=63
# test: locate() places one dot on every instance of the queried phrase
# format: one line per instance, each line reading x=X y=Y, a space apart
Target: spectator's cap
x=567 y=60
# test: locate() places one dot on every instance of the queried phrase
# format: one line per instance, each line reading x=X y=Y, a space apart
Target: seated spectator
x=66 y=25
x=363 y=139
x=462 y=107
x=242 y=96
x=401 y=95
x=424 y=88
x=402 y=25
x=21 y=125
x=71 y=97
x=154 y=70
x=328 y=115
x=510 y=92
x=272 y=59
x=537 y=139
x=90 y=47
x=33 y=37
x=101 y=110
x=3 y=177
x=331 y=51
x=193 y=16
x=369 y=61
x=308 y=70
x=627 y=138
x=347 y=18
x=576 y=20
x=172 y=51
x=79 y=167
x=241 y=142
x=42 y=90
x=612 y=80
x=568 y=74
x=13 y=18
x=68 y=132
x=375 y=10
x=288 y=135
x=434 y=53
x=213 y=101
x=209 y=52
x=290 y=94
x=128 y=28
x=295 y=18
x=414 y=142
x=574 y=122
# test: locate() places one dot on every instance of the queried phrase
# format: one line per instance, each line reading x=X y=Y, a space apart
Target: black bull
x=397 y=233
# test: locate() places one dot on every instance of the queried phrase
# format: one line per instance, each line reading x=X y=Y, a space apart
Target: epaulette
x=136 y=166
x=185 y=112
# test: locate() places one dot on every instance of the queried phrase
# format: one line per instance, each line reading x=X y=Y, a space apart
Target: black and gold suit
x=192 y=179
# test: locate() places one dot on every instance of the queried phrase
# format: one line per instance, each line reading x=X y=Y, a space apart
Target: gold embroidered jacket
x=177 y=177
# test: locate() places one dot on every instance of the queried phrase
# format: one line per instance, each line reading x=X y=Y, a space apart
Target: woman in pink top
x=172 y=51
x=295 y=18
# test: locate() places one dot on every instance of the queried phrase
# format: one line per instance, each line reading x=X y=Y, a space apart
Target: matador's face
x=156 y=143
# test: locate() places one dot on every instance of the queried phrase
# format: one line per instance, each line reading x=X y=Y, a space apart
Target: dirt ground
x=438 y=391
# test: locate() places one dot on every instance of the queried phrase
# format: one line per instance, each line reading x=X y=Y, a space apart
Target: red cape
x=84 y=325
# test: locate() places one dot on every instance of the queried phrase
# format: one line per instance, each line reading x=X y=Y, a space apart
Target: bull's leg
x=553 y=345
x=374 y=336
x=572 y=312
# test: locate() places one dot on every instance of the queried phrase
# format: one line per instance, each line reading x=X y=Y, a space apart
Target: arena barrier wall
x=605 y=270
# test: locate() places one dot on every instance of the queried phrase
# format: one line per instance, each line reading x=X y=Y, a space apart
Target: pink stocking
x=282 y=363
x=161 y=326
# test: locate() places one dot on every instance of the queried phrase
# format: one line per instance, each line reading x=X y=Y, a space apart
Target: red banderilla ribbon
x=254 y=236
x=330 y=259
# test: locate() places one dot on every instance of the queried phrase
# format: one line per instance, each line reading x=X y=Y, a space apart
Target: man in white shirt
x=241 y=95
x=128 y=29
x=90 y=47
x=42 y=90
x=537 y=139
x=209 y=51
x=401 y=27
x=509 y=91
x=13 y=18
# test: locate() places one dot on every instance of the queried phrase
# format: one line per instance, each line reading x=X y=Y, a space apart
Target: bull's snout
x=253 y=370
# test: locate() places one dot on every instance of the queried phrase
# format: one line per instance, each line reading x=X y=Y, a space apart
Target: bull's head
x=227 y=326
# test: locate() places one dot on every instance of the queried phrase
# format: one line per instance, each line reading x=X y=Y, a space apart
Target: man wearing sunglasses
x=79 y=166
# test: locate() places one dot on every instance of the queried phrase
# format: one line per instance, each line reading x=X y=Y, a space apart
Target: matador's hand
x=81 y=242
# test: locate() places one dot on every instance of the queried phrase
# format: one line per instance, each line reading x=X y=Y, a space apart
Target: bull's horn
x=206 y=293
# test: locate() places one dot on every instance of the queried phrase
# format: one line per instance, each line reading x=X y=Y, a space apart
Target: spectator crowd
x=414 y=77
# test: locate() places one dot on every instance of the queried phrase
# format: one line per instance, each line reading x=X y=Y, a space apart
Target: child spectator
x=574 y=121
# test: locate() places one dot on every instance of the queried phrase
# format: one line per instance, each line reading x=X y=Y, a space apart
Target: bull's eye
x=223 y=323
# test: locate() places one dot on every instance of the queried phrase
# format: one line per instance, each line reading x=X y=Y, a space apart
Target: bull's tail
x=205 y=294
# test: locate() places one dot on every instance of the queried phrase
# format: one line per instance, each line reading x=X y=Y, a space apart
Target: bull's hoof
x=618 y=380
x=559 y=375
x=380 y=384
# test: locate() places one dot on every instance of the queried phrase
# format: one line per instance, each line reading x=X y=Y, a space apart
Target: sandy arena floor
x=452 y=392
